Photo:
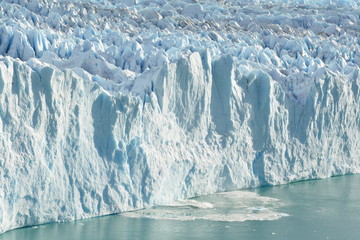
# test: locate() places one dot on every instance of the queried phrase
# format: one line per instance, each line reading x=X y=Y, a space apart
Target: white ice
x=110 y=106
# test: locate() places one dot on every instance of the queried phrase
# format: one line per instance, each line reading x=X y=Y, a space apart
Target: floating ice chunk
x=237 y=207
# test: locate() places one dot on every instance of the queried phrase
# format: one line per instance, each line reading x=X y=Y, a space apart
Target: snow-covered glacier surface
x=110 y=106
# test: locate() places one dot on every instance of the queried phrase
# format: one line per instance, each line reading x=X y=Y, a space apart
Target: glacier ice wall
x=108 y=106
x=71 y=150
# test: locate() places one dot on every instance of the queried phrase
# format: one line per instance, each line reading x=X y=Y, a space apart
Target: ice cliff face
x=114 y=120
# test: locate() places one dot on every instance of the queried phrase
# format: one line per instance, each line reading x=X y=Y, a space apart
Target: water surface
x=322 y=209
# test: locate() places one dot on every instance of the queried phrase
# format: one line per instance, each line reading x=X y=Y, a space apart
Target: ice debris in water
x=236 y=206
x=109 y=106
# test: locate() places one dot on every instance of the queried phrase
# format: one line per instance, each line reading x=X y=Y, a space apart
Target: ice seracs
x=109 y=106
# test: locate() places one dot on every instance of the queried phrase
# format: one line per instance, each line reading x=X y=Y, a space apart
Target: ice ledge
x=70 y=150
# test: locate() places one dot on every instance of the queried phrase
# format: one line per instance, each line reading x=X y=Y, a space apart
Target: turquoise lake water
x=311 y=210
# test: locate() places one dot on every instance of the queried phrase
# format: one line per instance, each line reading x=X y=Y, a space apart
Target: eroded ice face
x=110 y=106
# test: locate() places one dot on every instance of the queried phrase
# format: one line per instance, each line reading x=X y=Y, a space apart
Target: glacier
x=112 y=106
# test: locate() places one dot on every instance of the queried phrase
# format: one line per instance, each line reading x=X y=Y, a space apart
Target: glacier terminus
x=109 y=106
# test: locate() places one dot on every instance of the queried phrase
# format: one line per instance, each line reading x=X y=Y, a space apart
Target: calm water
x=323 y=209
